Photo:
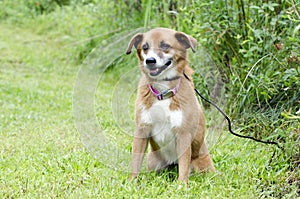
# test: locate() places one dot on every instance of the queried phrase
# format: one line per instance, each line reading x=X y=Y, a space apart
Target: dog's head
x=162 y=52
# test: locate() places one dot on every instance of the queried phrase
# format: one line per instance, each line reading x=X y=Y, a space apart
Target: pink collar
x=165 y=94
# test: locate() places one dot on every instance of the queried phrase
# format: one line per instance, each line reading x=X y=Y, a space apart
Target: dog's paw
x=133 y=177
x=183 y=179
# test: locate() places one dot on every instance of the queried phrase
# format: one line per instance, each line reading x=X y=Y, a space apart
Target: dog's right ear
x=135 y=41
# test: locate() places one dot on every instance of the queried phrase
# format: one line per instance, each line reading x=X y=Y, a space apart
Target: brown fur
x=191 y=149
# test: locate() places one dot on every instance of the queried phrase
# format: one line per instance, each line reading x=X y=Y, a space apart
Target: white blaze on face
x=159 y=61
x=164 y=65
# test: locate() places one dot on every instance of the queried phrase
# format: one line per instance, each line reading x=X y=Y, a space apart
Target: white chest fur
x=163 y=120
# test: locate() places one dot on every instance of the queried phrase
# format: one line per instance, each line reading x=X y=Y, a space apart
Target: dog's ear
x=135 y=41
x=186 y=40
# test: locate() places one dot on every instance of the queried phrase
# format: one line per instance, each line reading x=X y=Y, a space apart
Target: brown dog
x=168 y=115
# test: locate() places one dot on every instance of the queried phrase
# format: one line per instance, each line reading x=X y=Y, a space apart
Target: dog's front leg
x=139 y=146
x=184 y=151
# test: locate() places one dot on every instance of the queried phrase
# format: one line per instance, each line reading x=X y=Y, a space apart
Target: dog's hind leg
x=155 y=162
x=203 y=162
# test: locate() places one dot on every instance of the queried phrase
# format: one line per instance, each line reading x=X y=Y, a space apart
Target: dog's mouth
x=154 y=71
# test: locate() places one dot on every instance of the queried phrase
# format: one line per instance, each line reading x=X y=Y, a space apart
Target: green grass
x=41 y=152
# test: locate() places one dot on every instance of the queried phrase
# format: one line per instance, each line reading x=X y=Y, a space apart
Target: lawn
x=67 y=137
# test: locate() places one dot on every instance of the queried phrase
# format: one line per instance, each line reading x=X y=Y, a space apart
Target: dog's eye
x=145 y=46
x=164 y=46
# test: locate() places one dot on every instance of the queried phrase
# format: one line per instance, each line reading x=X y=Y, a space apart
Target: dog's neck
x=164 y=89
x=164 y=84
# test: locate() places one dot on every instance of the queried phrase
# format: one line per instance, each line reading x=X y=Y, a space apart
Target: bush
x=255 y=48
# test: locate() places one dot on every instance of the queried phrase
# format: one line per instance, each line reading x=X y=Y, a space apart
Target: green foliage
x=30 y=8
x=256 y=48
x=251 y=44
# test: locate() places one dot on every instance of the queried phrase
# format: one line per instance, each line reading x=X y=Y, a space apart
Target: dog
x=167 y=113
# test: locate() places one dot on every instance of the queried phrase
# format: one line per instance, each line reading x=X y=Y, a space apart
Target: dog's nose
x=150 y=61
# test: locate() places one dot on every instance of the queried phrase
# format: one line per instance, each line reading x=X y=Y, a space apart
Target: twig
x=248 y=74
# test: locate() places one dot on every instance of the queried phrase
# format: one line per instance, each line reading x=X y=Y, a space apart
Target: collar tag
x=165 y=94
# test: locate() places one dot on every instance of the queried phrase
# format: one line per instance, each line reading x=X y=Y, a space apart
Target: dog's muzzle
x=154 y=68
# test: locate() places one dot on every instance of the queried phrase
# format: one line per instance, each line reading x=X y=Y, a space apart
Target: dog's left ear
x=186 y=40
x=135 y=41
